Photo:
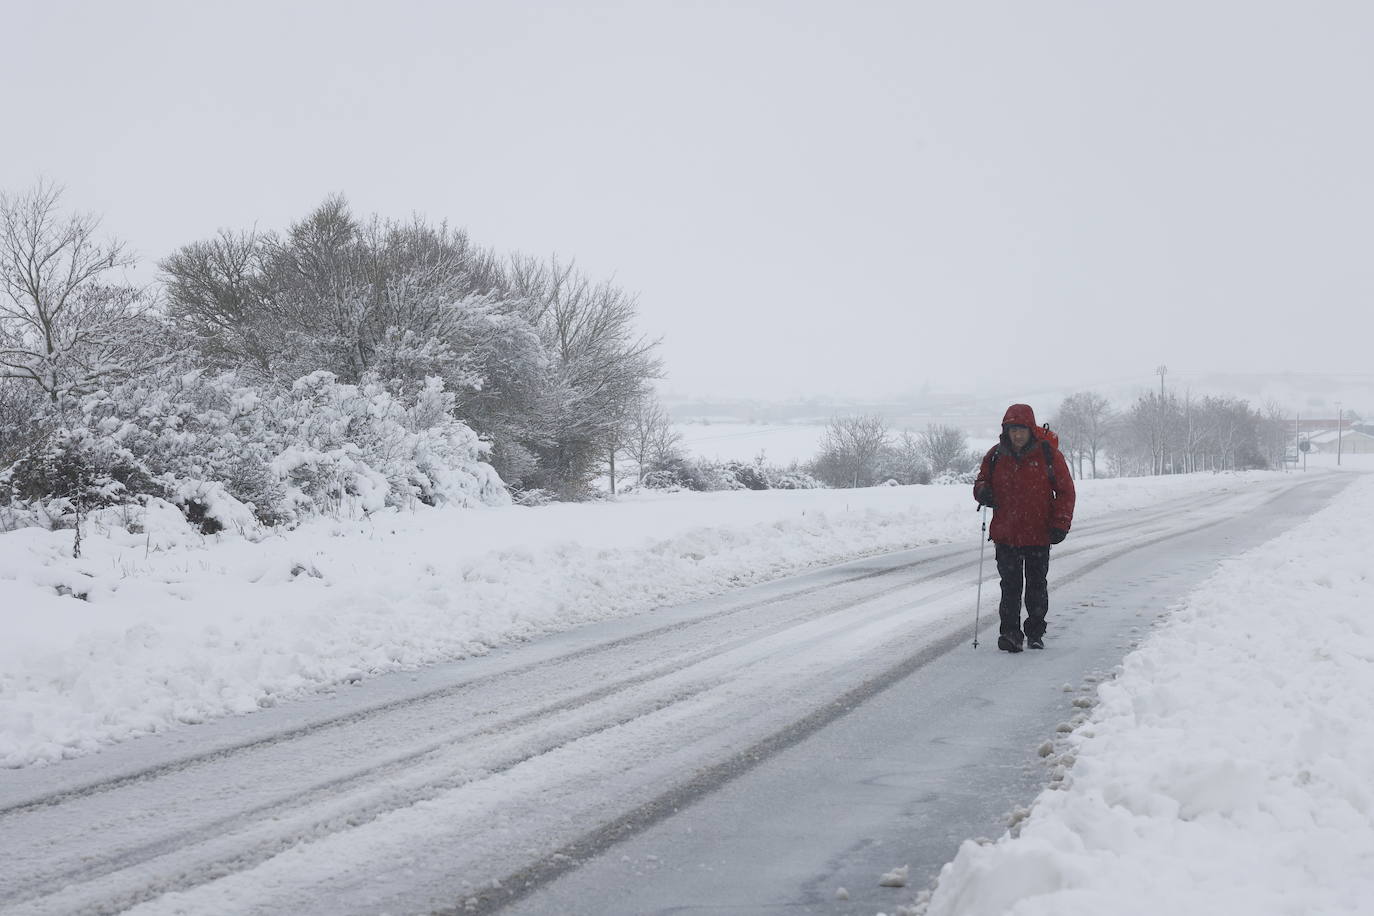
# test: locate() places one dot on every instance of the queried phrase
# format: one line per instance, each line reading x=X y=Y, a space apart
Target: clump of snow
x=210 y=500
x=894 y=878
x=161 y=623
x=1227 y=769
x=162 y=524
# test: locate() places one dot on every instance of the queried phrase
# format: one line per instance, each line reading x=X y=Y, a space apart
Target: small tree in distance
x=1083 y=422
x=904 y=461
x=946 y=450
x=650 y=439
x=850 y=451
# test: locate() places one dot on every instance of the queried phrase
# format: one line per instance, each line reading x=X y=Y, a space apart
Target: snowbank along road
x=759 y=749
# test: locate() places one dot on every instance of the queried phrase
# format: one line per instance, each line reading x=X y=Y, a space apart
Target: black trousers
x=1028 y=568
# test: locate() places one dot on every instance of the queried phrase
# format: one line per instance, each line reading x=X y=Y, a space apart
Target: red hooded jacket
x=1029 y=499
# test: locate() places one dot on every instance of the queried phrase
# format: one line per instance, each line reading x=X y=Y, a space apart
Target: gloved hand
x=1057 y=535
x=985 y=498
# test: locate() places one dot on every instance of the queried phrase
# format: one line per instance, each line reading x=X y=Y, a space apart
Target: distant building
x=1352 y=442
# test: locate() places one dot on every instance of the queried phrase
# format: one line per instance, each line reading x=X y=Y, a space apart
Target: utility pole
x=1339 y=424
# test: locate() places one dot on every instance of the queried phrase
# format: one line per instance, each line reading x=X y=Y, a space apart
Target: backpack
x=1045 y=434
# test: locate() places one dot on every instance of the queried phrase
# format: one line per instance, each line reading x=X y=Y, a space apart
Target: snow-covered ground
x=177 y=628
x=1227 y=768
x=1347 y=462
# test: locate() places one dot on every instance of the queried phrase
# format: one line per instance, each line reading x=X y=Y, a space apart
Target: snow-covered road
x=517 y=778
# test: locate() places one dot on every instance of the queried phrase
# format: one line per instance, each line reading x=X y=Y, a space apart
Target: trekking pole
x=982 y=547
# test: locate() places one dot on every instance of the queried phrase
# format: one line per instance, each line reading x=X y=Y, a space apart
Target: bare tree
x=216 y=290
x=1154 y=424
x=1084 y=423
x=945 y=449
x=1232 y=428
x=600 y=364
x=1275 y=430
x=339 y=293
x=63 y=326
x=651 y=440
x=1134 y=442
x=904 y=461
x=1192 y=431
x=850 y=450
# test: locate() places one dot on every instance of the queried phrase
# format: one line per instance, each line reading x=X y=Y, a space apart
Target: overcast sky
x=808 y=197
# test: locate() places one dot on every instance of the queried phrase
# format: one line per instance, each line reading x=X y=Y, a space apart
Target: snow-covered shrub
x=179 y=435
x=208 y=505
x=22 y=411
x=448 y=461
x=345 y=446
x=791 y=478
x=73 y=469
x=663 y=479
x=230 y=454
x=533 y=497
x=359 y=444
x=191 y=429
x=715 y=476
x=746 y=475
x=700 y=474
x=676 y=473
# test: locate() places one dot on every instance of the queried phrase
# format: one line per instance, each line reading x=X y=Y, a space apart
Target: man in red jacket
x=1025 y=480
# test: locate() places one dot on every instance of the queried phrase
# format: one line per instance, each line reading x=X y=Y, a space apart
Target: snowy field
x=781 y=443
x=148 y=630
x=1227 y=768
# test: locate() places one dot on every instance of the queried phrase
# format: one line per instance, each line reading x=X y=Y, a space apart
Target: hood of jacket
x=1019 y=415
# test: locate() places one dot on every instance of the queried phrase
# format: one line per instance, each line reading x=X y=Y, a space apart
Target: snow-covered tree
x=600 y=366
x=66 y=324
x=400 y=300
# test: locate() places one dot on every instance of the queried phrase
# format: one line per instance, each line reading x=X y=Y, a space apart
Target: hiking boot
x=1008 y=644
x=1035 y=642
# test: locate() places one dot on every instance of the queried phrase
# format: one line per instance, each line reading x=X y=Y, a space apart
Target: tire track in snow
x=218 y=865
x=95 y=868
